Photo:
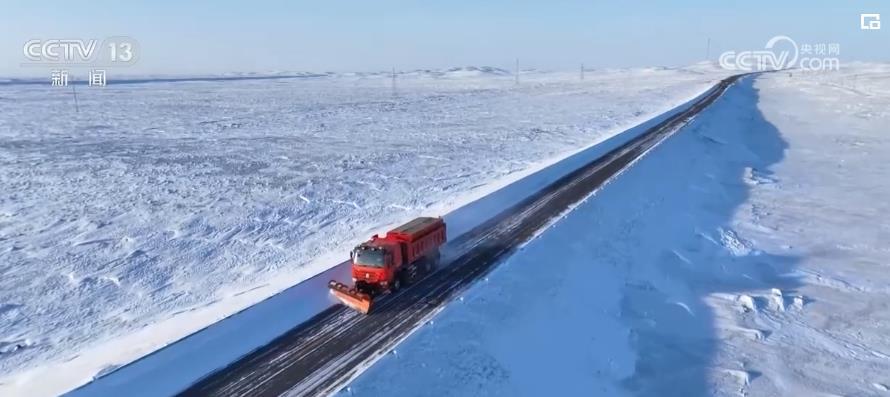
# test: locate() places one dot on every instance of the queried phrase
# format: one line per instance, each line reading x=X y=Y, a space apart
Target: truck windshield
x=368 y=257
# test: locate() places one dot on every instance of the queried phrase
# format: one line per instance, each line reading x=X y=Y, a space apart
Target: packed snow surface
x=746 y=255
x=163 y=206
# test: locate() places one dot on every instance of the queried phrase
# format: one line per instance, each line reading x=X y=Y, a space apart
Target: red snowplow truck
x=385 y=264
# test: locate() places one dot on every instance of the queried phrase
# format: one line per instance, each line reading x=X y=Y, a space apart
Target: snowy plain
x=746 y=255
x=162 y=207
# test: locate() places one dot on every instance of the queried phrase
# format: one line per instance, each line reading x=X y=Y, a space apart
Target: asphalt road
x=325 y=353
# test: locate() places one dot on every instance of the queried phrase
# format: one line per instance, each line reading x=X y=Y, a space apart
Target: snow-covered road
x=160 y=208
x=747 y=255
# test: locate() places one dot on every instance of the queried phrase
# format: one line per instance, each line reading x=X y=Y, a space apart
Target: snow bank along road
x=323 y=354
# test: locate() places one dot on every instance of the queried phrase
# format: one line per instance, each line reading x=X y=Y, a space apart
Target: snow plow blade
x=359 y=301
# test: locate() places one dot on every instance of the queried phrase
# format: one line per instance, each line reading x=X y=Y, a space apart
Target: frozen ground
x=162 y=207
x=747 y=255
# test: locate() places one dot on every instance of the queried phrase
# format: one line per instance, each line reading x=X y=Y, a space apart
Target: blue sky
x=222 y=36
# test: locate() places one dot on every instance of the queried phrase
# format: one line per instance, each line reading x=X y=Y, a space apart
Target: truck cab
x=375 y=264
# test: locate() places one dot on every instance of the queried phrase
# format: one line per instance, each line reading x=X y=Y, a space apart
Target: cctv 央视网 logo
x=770 y=58
x=870 y=21
x=781 y=52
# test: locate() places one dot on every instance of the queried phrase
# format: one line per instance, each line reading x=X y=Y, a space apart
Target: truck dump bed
x=415 y=229
x=419 y=237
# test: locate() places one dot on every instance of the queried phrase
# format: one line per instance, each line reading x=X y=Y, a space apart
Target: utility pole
x=74 y=91
x=582 y=71
x=708 y=51
x=517 y=71
x=393 y=81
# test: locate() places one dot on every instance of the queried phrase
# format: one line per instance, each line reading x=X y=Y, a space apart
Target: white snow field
x=749 y=254
x=162 y=207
